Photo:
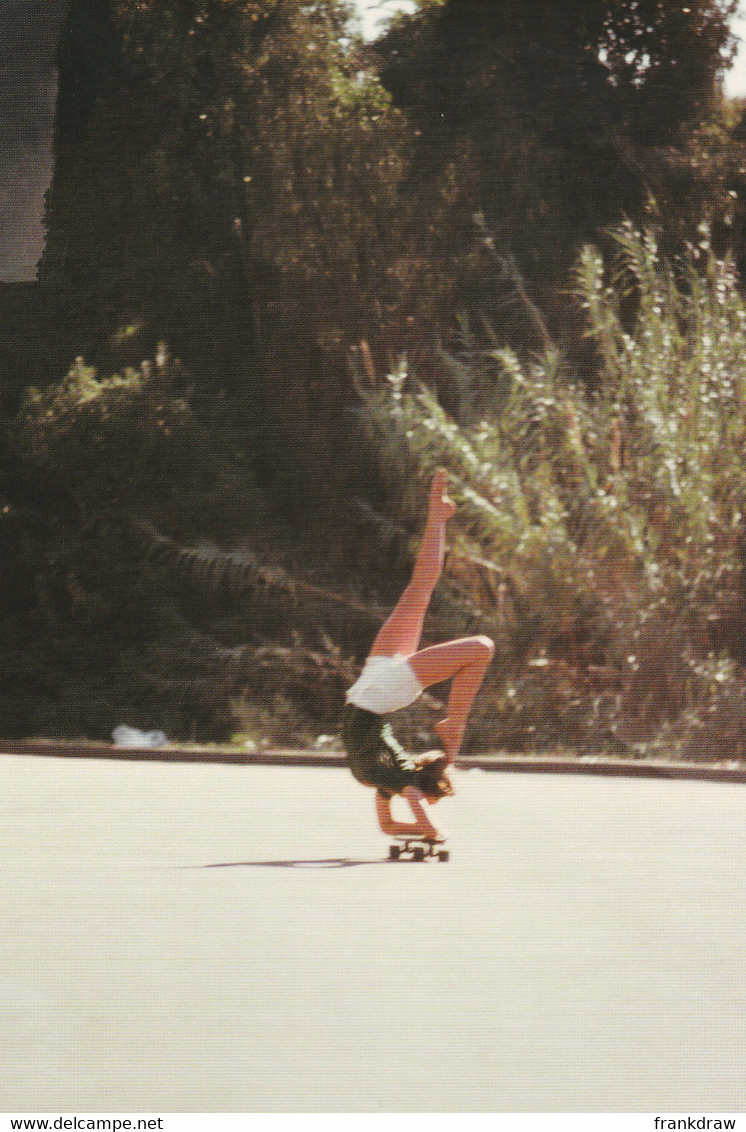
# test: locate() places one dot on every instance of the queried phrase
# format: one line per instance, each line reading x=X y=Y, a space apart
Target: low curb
x=598 y=765
x=627 y=768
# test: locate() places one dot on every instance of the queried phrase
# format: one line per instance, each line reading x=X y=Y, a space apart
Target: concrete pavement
x=201 y=937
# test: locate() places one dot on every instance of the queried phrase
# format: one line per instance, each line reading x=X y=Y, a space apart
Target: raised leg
x=401 y=632
x=465 y=661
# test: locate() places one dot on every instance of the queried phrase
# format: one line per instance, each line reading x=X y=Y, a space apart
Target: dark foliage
x=542 y=124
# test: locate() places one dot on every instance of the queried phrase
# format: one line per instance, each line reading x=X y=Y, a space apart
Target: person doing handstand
x=395 y=674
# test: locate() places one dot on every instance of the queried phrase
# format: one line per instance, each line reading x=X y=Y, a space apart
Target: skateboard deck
x=417 y=849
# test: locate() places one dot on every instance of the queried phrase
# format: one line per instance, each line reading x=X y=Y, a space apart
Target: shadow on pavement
x=320 y=863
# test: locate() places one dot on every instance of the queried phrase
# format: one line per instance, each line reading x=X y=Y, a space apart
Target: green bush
x=94 y=633
x=599 y=531
x=133 y=443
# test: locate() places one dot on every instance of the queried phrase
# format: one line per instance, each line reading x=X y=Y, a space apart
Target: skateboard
x=417 y=849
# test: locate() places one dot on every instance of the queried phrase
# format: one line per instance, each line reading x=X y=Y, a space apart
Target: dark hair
x=433 y=779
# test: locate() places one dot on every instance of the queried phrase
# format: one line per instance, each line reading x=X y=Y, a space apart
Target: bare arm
x=421 y=827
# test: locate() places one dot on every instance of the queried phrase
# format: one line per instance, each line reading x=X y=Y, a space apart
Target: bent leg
x=463 y=662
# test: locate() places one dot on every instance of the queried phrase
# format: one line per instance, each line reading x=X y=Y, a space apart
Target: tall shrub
x=601 y=531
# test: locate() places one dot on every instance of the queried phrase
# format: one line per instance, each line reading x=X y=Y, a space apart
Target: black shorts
x=377 y=759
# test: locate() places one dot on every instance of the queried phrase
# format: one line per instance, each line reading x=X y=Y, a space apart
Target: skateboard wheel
x=444 y=855
x=394 y=852
x=418 y=853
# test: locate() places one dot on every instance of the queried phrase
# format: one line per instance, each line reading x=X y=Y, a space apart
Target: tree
x=665 y=60
x=227 y=180
x=257 y=191
x=549 y=123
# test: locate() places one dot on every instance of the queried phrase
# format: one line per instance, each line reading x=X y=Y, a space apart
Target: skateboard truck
x=417 y=849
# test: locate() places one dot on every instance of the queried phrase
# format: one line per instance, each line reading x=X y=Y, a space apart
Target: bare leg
x=464 y=663
x=400 y=634
x=421 y=827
